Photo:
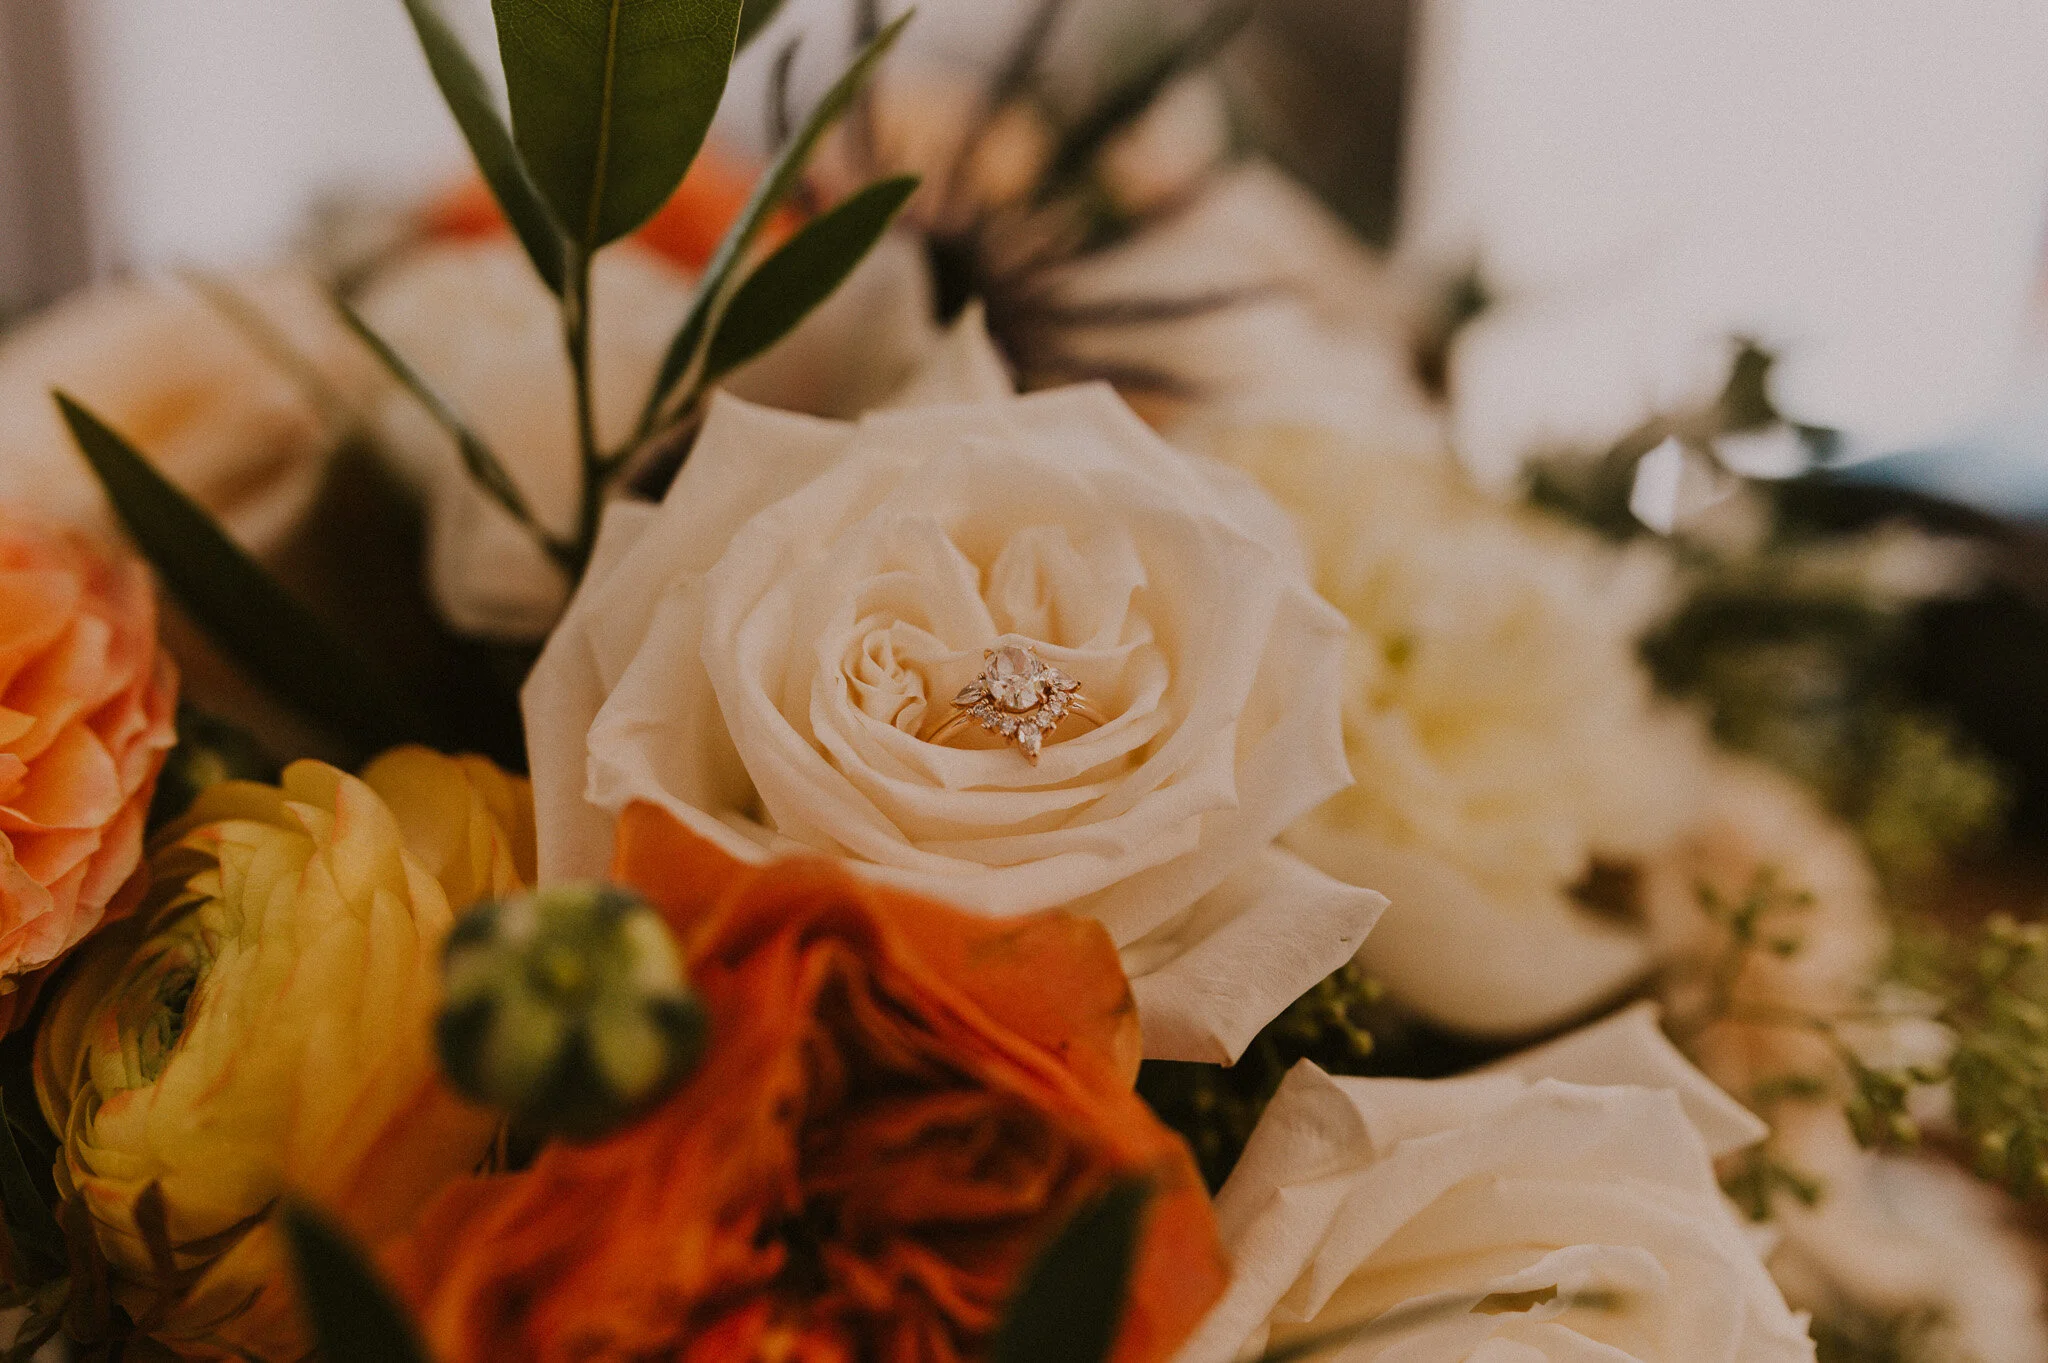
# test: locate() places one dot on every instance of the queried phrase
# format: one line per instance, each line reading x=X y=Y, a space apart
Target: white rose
x=1577 y=1171
x=1500 y=726
x=477 y=323
x=760 y=654
x=222 y=418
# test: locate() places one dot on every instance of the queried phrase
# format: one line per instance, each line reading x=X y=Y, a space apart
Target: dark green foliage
x=237 y=602
x=1071 y=1301
x=1343 y=1025
x=803 y=273
x=354 y=1315
x=611 y=100
x=210 y=750
x=468 y=97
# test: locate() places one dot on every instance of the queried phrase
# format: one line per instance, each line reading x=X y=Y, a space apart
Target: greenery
x=610 y=103
x=1216 y=1107
x=355 y=1316
x=1796 y=661
x=1988 y=986
x=281 y=643
x=1070 y=1304
x=1846 y=1333
x=1345 y=1025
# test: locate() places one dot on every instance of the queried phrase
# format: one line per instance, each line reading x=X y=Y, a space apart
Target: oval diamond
x=1014 y=680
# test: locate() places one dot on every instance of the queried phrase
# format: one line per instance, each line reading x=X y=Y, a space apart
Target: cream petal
x=1205 y=985
x=1521 y=968
x=1357 y=1196
x=1630 y=1048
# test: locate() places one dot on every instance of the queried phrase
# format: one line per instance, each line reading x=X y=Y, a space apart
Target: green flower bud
x=568 y=1009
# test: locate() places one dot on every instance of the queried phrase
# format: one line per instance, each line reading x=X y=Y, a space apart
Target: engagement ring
x=1018 y=697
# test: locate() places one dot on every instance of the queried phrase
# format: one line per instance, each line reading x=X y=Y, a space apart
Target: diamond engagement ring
x=1018 y=697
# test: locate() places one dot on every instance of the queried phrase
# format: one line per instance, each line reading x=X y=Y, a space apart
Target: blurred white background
x=1864 y=180
x=209 y=127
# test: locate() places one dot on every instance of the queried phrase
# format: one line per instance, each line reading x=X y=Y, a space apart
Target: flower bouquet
x=923 y=749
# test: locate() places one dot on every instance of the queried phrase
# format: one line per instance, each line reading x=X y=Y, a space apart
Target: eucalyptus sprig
x=610 y=103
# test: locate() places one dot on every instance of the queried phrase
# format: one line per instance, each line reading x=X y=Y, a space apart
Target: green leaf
x=281 y=644
x=354 y=1315
x=469 y=99
x=803 y=274
x=715 y=290
x=1071 y=1303
x=757 y=15
x=611 y=100
x=482 y=465
x=34 y=1230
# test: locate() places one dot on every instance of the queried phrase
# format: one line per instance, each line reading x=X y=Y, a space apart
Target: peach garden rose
x=86 y=699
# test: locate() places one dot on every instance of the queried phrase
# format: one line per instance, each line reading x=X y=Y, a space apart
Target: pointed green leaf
x=477 y=458
x=355 y=1316
x=611 y=100
x=1071 y=1304
x=34 y=1229
x=756 y=16
x=715 y=290
x=803 y=274
x=469 y=99
x=240 y=606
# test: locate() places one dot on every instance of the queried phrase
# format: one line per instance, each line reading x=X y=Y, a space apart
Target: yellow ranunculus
x=262 y=1026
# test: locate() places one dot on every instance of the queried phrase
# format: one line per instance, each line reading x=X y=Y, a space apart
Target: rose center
x=1015 y=680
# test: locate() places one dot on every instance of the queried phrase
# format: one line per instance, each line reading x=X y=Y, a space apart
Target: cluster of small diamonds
x=1028 y=728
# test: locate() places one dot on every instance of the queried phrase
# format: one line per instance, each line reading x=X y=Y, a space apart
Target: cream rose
x=224 y=419
x=1498 y=1208
x=761 y=653
x=479 y=325
x=1500 y=727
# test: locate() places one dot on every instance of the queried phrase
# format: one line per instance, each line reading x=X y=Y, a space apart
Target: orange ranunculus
x=86 y=701
x=900 y=1104
x=686 y=229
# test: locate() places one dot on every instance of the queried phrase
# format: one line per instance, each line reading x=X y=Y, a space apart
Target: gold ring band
x=960 y=719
